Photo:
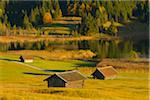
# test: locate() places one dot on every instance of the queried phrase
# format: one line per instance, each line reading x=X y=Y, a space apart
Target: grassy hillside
x=15 y=84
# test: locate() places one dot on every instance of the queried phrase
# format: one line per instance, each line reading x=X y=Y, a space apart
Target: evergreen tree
x=36 y=16
x=69 y=9
x=90 y=23
x=2 y=8
x=57 y=9
x=1 y=32
x=33 y=17
x=60 y=13
x=83 y=8
x=84 y=25
x=5 y=19
x=142 y=10
x=110 y=9
x=112 y=29
x=26 y=22
x=99 y=21
x=75 y=8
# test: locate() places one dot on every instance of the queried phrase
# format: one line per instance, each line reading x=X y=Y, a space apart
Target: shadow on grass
x=30 y=73
x=47 y=91
x=6 y=59
x=56 y=70
x=56 y=92
x=87 y=63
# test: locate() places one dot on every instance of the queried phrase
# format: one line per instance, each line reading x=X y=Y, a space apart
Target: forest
x=97 y=16
x=43 y=39
x=76 y=18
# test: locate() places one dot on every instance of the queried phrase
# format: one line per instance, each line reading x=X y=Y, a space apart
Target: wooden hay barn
x=107 y=72
x=26 y=59
x=70 y=79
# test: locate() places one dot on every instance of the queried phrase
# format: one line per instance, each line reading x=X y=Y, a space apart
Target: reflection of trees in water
x=110 y=49
x=103 y=49
x=38 y=45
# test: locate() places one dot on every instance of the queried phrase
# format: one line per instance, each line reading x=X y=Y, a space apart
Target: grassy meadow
x=64 y=35
x=17 y=84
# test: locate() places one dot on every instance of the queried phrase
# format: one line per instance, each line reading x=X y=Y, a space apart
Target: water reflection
x=111 y=49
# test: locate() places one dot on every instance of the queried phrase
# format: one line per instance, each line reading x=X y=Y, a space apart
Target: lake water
x=102 y=48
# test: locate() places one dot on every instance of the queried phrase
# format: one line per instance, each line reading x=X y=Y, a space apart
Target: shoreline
x=33 y=38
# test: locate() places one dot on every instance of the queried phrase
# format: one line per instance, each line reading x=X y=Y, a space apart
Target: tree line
x=94 y=14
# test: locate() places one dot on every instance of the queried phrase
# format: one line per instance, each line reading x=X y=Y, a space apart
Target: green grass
x=13 y=71
x=17 y=69
x=9 y=57
x=53 y=65
x=60 y=65
x=18 y=86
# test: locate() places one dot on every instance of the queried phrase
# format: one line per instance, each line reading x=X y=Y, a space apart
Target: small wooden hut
x=70 y=79
x=107 y=72
x=26 y=59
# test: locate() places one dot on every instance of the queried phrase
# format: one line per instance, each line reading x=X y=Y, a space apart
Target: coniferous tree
x=82 y=8
x=112 y=30
x=36 y=16
x=26 y=22
x=90 y=24
x=99 y=21
x=57 y=9
x=2 y=8
x=142 y=10
x=84 y=25
x=5 y=19
x=33 y=17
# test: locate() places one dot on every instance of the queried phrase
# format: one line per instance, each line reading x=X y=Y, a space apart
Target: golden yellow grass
x=121 y=89
x=54 y=55
x=56 y=28
x=65 y=22
x=19 y=86
x=137 y=64
x=93 y=90
x=23 y=38
x=70 y=18
x=34 y=38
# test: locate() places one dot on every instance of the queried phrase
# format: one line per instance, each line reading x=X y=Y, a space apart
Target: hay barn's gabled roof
x=107 y=71
x=69 y=76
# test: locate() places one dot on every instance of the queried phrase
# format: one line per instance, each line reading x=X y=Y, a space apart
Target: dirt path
x=34 y=67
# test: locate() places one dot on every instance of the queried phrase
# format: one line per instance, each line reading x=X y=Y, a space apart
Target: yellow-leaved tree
x=47 y=18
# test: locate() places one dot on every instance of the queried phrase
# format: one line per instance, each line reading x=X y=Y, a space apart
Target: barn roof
x=107 y=71
x=70 y=76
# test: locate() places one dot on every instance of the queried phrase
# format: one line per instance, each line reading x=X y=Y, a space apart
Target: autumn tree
x=47 y=18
